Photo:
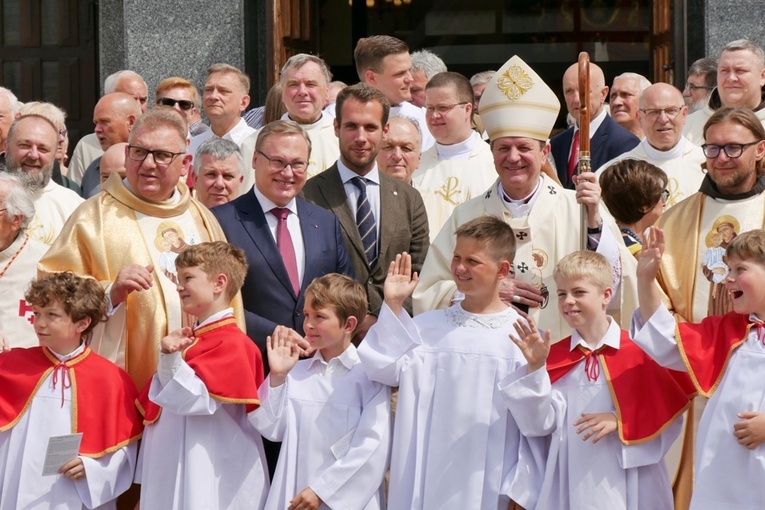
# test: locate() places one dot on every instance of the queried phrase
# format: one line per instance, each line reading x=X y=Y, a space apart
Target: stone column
x=728 y=20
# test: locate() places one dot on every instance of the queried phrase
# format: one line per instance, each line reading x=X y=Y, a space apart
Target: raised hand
x=134 y=277
x=533 y=347
x=176 y=341
x=283 y=353
x=596 y=424
x=649 y=257
x=400 y=282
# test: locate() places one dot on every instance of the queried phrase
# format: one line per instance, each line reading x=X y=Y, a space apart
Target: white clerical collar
x=346 y=174
x=522 y=207
x=228 y=312
x=67 y=357
x=654 y=154
x=266 y=204
x=460 y=150
x=174 y=198
x=305 y=125
x=612 y=338
x=596 y=122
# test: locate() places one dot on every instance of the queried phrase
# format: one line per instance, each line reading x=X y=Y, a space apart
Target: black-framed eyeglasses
x=277 y=165
x=442 y=109
x=655 y=113
x=183 y=104
x=692 y=87
x=160 y=157
x=732 y=150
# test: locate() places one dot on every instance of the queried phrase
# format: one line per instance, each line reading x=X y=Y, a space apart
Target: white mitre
x=516 y=102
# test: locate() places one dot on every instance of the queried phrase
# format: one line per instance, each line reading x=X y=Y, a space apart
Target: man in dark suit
x=273 y=291
x=380 y=216
x=607 y=138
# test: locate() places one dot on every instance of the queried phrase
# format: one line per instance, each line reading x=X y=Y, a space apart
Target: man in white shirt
x=225 y=97
x=623 y=106
x=662 y=116
x=304 y=80
x=384 y=63
x=460 y=165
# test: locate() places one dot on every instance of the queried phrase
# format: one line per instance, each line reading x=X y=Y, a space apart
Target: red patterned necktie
x=286 y=248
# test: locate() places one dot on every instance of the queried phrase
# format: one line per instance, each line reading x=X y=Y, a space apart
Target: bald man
x=114 y=117
x=662 y=115
x=113 y=161
x=607 y=138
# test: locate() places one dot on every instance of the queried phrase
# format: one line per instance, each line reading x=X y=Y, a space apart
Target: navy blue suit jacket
x=609 y=141
x=269 y=299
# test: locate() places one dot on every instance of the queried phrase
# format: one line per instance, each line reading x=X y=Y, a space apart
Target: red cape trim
x=226 y=360
x=103 y=396
x=647 y=397
x=706 y=347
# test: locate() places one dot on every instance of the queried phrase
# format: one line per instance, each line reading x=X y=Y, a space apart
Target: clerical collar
x=709 y=188
x=304 y=125
x=527 y=200
x=228 y=312
x=174 y=198
x=654 y=154
x=458 y=151
x=66 y=357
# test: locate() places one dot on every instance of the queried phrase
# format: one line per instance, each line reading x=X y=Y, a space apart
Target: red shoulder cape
x=707 y=346
x=647 y=397
x=103 y=396
x=227 y=362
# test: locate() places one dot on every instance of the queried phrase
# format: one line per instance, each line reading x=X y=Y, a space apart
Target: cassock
x=325 y=148
x=456 y=446
x=546 y=229
x=47 y=395
x=699 y=229
x=682 y=164
x=334 y=425
x=625 y=469
x=450 y=175
x=117 y=228
x=18 y=266
x=53 y=207
x=199 y=451
x=724 y=357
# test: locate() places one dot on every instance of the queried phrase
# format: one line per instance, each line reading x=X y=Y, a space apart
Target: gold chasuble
x=697 y=232
x=548 y=233
x=116 y=228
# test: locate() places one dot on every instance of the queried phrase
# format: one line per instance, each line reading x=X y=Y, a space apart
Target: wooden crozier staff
x=583 y=164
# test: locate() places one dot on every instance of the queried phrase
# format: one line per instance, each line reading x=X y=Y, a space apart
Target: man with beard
x=30 y=152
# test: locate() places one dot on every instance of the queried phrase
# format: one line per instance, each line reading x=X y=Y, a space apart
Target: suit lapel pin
x=395 y=193
x=315 y=226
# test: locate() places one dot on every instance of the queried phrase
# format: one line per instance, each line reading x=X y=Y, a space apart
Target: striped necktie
x=365 y=220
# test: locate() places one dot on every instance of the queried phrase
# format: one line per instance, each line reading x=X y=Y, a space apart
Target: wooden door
x=48 y=52
x=663 y=61
x=294 y=31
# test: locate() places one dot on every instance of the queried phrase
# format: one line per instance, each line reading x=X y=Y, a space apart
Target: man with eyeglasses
x=305 y=85
x=460 y=165
x=702 y=80
x=740 y=82
x=380 y=216
x=181 y=94
x=607 y=138
x=729 y=202
x=383 y=62
x=117 y=238
x=89 y=148
x=662 y=115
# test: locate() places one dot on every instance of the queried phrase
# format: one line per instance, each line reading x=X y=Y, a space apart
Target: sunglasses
x=182 y=103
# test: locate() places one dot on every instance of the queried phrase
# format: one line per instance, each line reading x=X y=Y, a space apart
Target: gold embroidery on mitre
x=514 y=83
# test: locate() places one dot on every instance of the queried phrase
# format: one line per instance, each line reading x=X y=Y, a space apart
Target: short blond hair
x=163 y=117
x=341 y=293
x=214 y=258
x=244 y=80
x=491 y=231
x=587 y=265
